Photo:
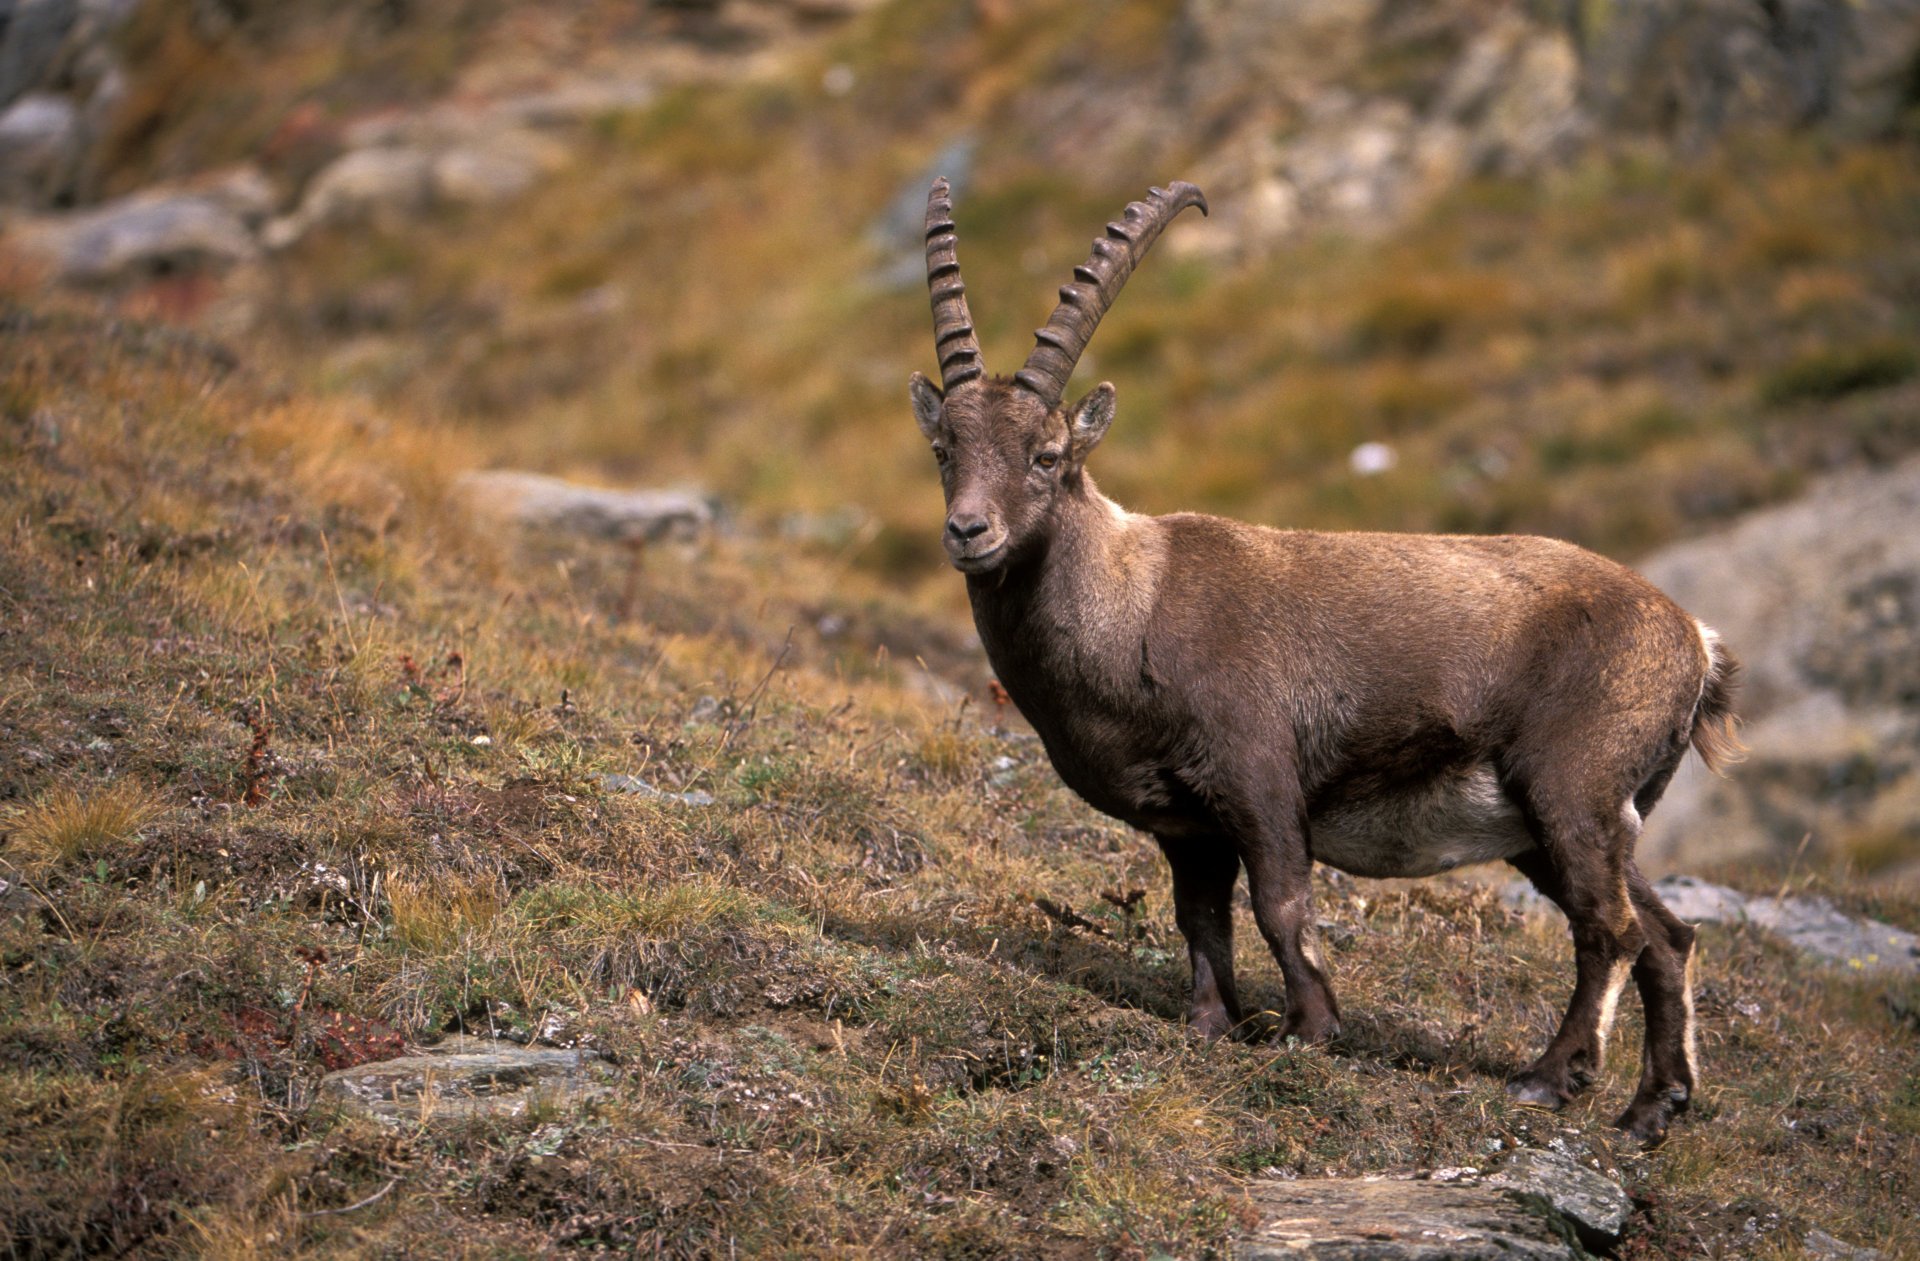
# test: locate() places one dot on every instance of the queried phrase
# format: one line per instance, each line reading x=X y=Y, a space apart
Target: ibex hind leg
x=1581 y=865
x=1664 y=974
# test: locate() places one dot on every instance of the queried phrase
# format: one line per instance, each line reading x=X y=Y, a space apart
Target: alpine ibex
x=1388 y=704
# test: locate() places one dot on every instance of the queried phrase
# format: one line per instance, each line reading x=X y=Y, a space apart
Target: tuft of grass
x=430 y=915
x=66 y=825
x=1829 y=373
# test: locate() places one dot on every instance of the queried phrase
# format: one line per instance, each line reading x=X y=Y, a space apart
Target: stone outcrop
x=1808 y=923
x=148 y=234
x=60 y=81
x=1812 y=925
x=1820 y=599
x=1313 y=130
x=537 y=501
x=1537 y=1205
x=465 y=1077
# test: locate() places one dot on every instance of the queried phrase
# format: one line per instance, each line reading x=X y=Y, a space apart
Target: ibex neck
x=1080 y=604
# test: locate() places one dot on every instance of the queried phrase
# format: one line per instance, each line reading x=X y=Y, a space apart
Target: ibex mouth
x=982 y=561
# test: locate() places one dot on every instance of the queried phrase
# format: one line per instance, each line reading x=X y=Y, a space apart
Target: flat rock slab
x=1811 y=924
x=1344 y=1219
x=465 y=1077
x=535 y=500
x=1535 y=1206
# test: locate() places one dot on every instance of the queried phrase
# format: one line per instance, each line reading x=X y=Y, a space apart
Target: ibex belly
x=1451 y=820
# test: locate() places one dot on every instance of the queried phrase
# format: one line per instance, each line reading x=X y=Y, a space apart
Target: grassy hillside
x=301 y=763
x=1616 y=354
x=297 y=763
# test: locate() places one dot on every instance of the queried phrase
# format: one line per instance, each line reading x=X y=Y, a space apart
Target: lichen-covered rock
x=551 y=503
x=1593 y=1202
x=466 y=1077
x=1810 y=924
x=383 y=186
x=1393 y=1219
x=143 y=235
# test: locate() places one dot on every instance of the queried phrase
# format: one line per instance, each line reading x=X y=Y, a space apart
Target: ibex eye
x=940 y=454
x=1046 y=459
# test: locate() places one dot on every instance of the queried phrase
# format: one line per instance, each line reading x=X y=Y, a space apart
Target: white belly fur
x=1447 y=822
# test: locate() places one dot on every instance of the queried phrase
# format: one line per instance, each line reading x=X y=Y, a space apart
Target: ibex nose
x=966 y=525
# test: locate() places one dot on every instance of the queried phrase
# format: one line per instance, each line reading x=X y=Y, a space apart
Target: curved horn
x=1097 y=283
x=953 y=336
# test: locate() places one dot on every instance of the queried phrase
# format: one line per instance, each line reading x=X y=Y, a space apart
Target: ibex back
x=1392 y=705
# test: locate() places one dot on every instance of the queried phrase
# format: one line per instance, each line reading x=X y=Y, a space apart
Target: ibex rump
x=1392 y=705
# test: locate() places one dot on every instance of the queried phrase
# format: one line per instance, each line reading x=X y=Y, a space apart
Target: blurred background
x=1645 y=276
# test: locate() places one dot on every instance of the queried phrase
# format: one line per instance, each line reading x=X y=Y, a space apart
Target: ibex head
x=1009 y=447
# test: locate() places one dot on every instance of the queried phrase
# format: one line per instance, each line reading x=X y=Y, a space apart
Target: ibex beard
x=1388 y=704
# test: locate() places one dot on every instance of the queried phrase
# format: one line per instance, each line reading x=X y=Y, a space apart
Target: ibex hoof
x=1647 y=1117
x=1210 y=1024
x=1538 y=1092
x=1310 y=1032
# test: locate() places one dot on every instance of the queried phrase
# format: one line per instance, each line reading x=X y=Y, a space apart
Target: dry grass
x=65 y=826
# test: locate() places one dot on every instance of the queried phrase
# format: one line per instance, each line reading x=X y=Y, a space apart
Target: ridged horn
x=954 y=340
x=1097 y=283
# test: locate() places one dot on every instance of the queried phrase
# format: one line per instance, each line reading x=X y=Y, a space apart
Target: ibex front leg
x=1204 y=870
x=1274 y=848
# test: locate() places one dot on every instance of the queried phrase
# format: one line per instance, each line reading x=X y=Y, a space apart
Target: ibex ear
x=926 y=404
x=1087 y=422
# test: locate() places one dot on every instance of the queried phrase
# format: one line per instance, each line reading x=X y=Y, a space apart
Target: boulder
x=40 y=141
x=551 y=503
x=1596 y=1205
x=382 y=186
x=137 y=237
x=1810 y=924
x=1820 y=600
x=497 y=169
x=243 y=190
x=466 y=1077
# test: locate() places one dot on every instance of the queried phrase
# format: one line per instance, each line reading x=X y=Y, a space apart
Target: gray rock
x=142 y=235
x=900 y=229
x=33 y=37
x=1393 y=1219
x=381 y=186
x=1594 y=1203
x=478 y=175
x=634 y=785
x=465 y=1077
x=1695 y=70
x=538 y=501
x=40 y=139
x=243 y=190
x=1701 y=901
x=1820 y=599
x=1810 y=924
x=1824 y=1247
